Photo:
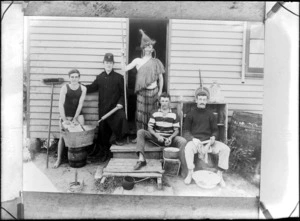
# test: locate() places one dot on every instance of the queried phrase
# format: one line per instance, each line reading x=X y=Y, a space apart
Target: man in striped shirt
x=163 y=128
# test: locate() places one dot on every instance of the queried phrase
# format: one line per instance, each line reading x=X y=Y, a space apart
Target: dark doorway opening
x=157 y=30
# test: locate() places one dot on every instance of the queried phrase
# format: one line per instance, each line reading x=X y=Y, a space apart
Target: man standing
x=200 y=126
x=110 y=86
x=70 y=104
x=163 y=128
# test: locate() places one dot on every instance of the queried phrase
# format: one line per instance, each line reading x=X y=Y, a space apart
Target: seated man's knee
x=140 y=132
x=189 y=145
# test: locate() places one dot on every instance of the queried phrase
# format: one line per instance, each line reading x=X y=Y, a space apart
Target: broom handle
x=125 y=94
x=48 y=143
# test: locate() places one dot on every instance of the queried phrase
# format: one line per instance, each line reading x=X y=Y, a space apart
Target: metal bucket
x=128 y=182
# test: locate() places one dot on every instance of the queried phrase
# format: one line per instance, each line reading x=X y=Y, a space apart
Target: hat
x=145 y=41
x=108 y=57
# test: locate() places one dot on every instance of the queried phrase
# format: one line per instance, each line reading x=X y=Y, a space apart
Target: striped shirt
x=164 y=125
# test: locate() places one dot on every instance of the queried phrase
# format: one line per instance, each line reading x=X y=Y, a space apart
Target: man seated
x=70 y=104
x=200 y=126
x=163 y=128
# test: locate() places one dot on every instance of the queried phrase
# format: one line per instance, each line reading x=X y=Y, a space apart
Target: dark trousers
x=116 y=124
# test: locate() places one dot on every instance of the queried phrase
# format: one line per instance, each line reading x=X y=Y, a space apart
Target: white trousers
x=217 y=148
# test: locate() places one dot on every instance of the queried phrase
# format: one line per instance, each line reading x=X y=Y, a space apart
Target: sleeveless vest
x=72 y=101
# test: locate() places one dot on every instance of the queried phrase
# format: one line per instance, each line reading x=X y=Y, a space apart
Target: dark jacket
x=111 y=91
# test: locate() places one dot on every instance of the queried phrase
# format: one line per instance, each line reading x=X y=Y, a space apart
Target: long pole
x=48 y=143
x=123 y=65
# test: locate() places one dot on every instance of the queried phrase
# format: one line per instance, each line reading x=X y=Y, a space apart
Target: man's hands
x=160 y=138
x=168 y=141
x=120 y=106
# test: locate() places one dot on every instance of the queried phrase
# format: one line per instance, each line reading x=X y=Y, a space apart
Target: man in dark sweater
x=201 y=132
x=110 y=87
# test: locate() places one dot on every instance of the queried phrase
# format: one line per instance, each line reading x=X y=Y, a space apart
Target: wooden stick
x=48 y=143
x=109 y=113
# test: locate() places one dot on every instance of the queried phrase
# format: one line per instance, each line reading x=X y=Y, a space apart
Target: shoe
x=139 y=165
x=120 y=142
x=134 y=140
x=222 y=182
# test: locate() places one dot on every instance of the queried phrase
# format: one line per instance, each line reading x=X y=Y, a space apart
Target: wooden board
x=131 y=147
x=140 y=175
x=126 y=166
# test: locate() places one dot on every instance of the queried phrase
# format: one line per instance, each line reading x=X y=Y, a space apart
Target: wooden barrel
x=246 y=128
x=77 y=156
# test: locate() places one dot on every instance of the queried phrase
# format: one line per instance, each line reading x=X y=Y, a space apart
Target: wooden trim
x=27 y=45
x=169 y=45
x=255 y=70
x=246 y=49
x=167 y=55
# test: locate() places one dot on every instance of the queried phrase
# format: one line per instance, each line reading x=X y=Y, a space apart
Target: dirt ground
x=36 y=177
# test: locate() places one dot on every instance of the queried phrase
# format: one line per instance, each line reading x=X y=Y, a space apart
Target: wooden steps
x=127 y=151
x=124 y=167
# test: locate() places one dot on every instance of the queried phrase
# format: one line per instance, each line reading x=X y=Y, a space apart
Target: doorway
x=157 y=30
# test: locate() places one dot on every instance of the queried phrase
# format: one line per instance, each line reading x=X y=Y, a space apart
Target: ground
x=36 y=177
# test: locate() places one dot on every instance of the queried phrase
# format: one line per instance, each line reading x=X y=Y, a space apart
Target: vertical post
x=48 y=143
x=124 y=72
x=244 y=52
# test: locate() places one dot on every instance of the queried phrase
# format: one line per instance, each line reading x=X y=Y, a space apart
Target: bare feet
x=57 y=163
x=188 y=178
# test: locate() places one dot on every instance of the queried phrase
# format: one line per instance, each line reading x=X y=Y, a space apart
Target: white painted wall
x=11 y=101
x=280 y=134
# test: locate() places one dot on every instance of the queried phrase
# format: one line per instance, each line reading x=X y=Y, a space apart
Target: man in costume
x=149 y=82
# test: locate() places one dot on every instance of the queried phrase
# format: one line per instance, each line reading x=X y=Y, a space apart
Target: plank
x=149 y=147
x=207 y=27
x=208 y=81
x=63 y=70
x=205 y=54
x=69 y=64
x=206 y=41
x=219 y=48
x=75 y=31
x=207 y=67
x=126 y=165
x=226 y=94
x=226 y=87
x=81 y=51
x=81 y=58
x=207 y=34
x=218 y=61
x=75 y=44
x=140 y=175
x=78 y=38
x=210 y=22
x=78 y=24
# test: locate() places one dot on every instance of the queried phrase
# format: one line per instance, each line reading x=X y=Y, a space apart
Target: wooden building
x=230 y=52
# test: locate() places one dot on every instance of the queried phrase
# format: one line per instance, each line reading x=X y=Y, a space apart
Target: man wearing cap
x=70 y=105
x=201 y=132
x=110 y=87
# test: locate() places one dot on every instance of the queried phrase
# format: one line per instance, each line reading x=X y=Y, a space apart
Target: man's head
x=201 y=99
x=108 y=62
x=74 y=76
x=164 y=100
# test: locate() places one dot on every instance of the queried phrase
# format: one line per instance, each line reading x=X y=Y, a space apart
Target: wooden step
x=124 y=167
x=129 y=151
